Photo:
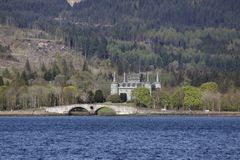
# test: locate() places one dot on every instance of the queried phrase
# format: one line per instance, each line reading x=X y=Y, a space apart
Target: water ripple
x=119 y=138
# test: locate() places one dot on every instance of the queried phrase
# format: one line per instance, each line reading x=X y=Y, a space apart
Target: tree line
x=57 y=85
x=192 y=41
x=205 y=97
x=51 y=85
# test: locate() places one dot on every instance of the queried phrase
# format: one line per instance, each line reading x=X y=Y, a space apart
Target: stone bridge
x=93 y=109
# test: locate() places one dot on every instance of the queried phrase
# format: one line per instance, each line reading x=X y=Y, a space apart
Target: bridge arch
x=79 y=110
x=105 y=110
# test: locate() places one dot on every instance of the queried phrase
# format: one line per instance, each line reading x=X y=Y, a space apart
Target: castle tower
x=158 y=83
x=114 y=85
x=124 y=77
x=148 y=84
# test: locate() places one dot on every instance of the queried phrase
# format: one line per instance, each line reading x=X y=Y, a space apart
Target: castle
x=130 y=82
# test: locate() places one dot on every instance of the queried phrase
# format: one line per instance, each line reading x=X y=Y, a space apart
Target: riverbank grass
x=106 y=111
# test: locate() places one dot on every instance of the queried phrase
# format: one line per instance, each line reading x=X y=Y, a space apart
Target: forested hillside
x=189 y=41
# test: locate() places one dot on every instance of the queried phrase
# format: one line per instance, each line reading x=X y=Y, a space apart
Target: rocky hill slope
x=193 y=41
x=18 y=45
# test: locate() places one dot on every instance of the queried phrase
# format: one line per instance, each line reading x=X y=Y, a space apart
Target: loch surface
x=119 y=138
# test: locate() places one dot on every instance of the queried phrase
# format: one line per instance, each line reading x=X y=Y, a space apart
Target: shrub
x=142 y=97
x=98 y=97
x=114 y=98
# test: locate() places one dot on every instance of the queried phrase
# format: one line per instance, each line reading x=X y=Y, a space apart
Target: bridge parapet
x=93 y=108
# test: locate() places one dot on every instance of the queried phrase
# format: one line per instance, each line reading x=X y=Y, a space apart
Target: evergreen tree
x=27 y=66
x=43 y=68
x=24 y=78
x=55 y=70
x=65 y=68
x=98 y=97
x=1 y=81
x=28 y=74
x=90 y=97
x=19 y=80
x=85 y=66
x=48 y=76
x=6 y=73
x=71 y=68
x=120 y=68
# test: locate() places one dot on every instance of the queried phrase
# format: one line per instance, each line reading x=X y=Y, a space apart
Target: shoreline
x=42 y=112
x=19 y=113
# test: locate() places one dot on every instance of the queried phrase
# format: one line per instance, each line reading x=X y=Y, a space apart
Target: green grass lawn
x=106 y=111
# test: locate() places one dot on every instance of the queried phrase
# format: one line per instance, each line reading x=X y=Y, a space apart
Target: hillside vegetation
x=191 y=42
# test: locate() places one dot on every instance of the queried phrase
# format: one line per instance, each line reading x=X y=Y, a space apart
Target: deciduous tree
x=192 y=97
x=142 y=97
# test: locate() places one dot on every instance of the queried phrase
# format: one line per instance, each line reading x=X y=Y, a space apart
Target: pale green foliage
x=230 y=101
x=166 y=100
x=38 y=96
x=24 y=97
x=192 y=97
x=69 y=94
x=178 y=98
x=209 y=86
x=106 y=111
x=170 y=99
x=142 y=97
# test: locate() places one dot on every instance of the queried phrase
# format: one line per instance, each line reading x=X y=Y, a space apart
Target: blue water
x=119 y=138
